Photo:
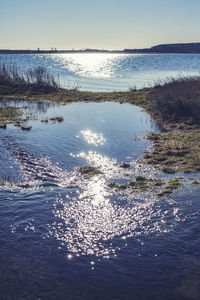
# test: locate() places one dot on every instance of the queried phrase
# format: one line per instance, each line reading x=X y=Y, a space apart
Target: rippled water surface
x=108 y=72
x=68 y=236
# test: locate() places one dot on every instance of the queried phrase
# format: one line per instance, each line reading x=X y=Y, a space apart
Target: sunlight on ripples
x=93 y=217
x=90 y=218
x=91 y=65
x=93 y=137
x=35 y=172
x=106 y=164
x=91 y=221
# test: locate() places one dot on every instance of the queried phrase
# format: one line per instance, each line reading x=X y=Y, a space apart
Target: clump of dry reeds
x=177 y=100
x=37 y=79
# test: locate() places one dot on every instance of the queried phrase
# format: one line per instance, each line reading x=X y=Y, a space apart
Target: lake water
x=65 y=236
x=108 y=72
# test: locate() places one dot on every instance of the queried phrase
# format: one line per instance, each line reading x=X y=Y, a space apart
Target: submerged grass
x=194 y=181
x=125 y=165
x=142 y=184
x=172 y=185
x=9 y=114
x=139 y=184
x=89 y=171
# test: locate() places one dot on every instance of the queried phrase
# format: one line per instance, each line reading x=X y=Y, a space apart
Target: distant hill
x=170 y=48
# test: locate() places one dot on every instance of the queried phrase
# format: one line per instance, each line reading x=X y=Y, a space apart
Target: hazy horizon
x=92 y=49
x=109 y=25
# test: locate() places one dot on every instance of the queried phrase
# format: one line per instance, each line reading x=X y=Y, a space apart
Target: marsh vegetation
x=176 y=101
x=175 y=105
x=13 y=81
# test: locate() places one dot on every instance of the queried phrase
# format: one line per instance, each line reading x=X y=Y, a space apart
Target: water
x=64 y=236
x=108 y=72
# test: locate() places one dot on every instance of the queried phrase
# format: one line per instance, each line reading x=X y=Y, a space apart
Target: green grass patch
x=89 y=171
x=165 y=192
x=9 y=114
x=194 y=182
x=171 y=185
x=175 y=151
x=140 y=183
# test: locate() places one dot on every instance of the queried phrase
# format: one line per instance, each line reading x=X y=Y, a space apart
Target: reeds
x=177 y=100
x=37 y=79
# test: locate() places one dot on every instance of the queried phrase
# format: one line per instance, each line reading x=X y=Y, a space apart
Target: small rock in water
x=45 y=120
x=57 y=119
x=26 y=127
x=3 y=126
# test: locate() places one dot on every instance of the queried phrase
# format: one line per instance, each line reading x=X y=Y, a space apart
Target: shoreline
x=94 y=52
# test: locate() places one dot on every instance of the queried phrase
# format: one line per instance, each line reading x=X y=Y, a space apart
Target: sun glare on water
x=93 y=138
x=91 y=65
x=94 y=217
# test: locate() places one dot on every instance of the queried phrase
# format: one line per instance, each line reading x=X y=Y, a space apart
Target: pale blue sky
x=103 y=24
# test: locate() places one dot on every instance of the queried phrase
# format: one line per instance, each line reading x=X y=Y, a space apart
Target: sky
x=97 y=24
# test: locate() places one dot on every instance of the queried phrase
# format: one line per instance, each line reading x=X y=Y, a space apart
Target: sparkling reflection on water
x=73 y=221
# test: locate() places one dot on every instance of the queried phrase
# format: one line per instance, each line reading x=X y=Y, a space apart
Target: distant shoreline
x=87 y=52
x=186 y=48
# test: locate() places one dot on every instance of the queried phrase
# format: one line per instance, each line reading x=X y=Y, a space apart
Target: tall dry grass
x=37 y=79
x=177 y=100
